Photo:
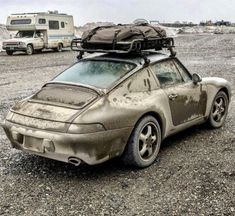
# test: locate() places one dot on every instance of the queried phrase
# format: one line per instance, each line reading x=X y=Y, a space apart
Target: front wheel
x=219 y=110
x=29 y=50
x=144 y=143
x=9 y=52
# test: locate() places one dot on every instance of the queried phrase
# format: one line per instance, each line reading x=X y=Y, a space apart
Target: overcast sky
x=124 y=11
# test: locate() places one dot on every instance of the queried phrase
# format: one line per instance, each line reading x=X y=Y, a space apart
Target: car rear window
x=95 y=72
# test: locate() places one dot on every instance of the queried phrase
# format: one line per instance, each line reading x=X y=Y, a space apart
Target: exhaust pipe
x=75 y=161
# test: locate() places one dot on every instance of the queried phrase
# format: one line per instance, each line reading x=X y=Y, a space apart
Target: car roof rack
x=136 y=46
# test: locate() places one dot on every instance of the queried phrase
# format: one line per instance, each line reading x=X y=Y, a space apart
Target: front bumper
x=14 y=48
x=92 y=148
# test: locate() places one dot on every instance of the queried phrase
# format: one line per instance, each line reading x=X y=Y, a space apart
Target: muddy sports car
x=111 y=105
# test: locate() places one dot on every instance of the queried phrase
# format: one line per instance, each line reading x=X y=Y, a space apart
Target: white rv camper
x=38 y=31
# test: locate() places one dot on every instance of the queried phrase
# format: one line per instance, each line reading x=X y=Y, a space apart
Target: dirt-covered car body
x=73 y=122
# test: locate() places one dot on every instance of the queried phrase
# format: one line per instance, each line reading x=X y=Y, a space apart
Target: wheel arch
x=31 y=44
x=128 y=154
x=226 y=91
x=158 y=117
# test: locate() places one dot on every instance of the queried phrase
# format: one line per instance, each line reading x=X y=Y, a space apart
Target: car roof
x=132 y=58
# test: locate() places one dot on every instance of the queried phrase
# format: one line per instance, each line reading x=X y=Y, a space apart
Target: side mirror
x=196 y=78
x=41 y=35
x=10 y=36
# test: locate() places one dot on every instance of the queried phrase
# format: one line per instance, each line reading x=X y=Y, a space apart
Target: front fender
x=214 y=85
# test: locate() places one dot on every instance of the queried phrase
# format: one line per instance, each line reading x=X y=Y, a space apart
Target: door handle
x=172 y=96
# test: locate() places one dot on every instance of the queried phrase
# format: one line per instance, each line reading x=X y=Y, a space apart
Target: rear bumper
x=92 y=148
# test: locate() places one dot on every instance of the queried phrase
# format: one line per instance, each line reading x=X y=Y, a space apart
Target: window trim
x=183 y=68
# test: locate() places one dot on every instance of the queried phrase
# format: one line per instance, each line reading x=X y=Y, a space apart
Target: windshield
x=95 y=73
x=25 y=34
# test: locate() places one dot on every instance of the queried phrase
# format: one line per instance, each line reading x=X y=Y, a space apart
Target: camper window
x=53 y=24
x=42 y=21
x=62 y=24
x=20 y=21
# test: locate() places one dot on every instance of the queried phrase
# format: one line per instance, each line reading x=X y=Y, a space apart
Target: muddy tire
x=29 y=50
x=10 y=53
x=219 y=110
x=144 y=143
x=59 y=47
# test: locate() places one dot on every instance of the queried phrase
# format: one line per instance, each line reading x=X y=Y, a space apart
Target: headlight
x=21 y=43
x=85 y=128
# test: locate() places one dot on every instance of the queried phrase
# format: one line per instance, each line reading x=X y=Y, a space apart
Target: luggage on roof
x=122 y=33
x=129 y=38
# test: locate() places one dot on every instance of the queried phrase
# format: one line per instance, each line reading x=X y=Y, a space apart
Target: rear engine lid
x=66 y=95
x=61 y=103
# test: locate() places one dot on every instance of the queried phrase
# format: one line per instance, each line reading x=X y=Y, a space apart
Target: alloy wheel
x=148 y=140
x=219 y=109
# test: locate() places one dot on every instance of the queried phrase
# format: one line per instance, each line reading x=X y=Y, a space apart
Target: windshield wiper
x=97 y=90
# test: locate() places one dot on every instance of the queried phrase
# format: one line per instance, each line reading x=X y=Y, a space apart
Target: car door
x=187 y=100
x=39 y=42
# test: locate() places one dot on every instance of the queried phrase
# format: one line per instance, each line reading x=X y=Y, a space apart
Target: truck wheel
x=144 y=143
x=219 y=110
x=29 y=50
x=59 y=47
x=9 y=52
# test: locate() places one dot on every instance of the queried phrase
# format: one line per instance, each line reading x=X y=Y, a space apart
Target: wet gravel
x=193 y=175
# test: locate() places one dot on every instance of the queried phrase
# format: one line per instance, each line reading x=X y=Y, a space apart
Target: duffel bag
x=122 y=33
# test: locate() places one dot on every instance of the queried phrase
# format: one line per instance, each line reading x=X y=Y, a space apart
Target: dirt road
x=194 y=173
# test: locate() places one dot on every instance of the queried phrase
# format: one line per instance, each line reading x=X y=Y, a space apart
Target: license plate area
x=33 y=144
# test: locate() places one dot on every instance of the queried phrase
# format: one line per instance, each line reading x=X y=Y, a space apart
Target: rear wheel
x=144 y=143
x=59 y=47
x=219 y=110
x=29 y=50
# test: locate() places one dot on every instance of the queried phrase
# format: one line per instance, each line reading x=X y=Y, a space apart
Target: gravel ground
x=193 y=175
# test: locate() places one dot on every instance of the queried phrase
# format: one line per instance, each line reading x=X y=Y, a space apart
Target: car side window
x=186 y=76
x=167 y=73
